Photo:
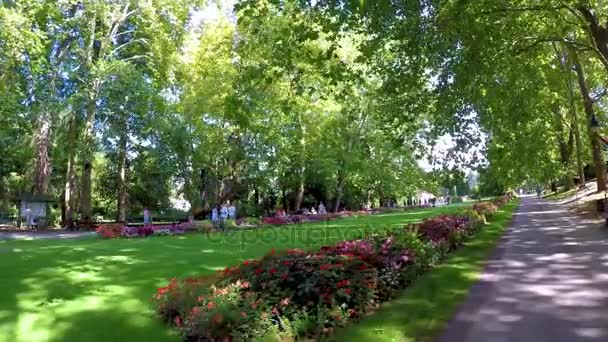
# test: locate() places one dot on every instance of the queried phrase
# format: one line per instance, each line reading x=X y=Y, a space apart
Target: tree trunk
x=42 y=139
x=598 y=33
x=121 y=180
x=565 y=147
x=300 y=192
x=284 y=199
x=339 y=187
x=68 y=193
x=87 y=161
x=596 y=145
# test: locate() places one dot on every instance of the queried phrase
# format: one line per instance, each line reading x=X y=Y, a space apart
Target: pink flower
x=285 y=301
x=244 y=315
x=210 y=305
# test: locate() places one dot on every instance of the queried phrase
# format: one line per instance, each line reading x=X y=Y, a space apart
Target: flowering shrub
x=487 y=209
x=276 y=220
x=308 y=293
x=109 y=230
x=115 y=230
x=445 y=231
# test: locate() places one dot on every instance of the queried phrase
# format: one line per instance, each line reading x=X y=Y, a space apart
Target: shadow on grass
x=423 y=309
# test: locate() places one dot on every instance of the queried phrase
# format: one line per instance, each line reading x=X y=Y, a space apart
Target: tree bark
x=577 y=133
x=565 y=147
x=121 y=180
x=598 y=33
x=87 y=160
x=339 y=187
x=68 y=193
x=42 y=139
x=300 y=192
x=596 y=144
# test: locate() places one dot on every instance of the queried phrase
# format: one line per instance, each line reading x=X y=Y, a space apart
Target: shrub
x=485 y=208
x=251 y=221
x=205 y=226
x=110 y=230
x=230 y=224
x=277 y=220
x=306 y=294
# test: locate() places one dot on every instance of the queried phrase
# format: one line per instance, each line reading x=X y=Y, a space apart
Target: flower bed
x=283 y=220
x=307 y=294
x=116 y=230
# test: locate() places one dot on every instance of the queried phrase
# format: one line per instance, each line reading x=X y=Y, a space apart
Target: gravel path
x=547 y=281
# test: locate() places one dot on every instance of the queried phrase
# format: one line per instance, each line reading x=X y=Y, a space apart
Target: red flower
x=195 y=311
x=272 y=252
x=246 y=262
x=210 y=305
x=285 y=276
x=285 y=301
x=325 y=267
x=363 y=267
x=244 y=315
x=200 y=298
x=347 y=291
x=218 y=318
x=254 y=305
x=259 y=271
x=342 y=283
x=286 y=262
x=162 y=290
x=178 y=321
x=272 y=271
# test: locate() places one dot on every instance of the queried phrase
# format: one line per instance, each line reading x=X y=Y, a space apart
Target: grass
x=422 y=311
x=560 y=194
x=91 y=289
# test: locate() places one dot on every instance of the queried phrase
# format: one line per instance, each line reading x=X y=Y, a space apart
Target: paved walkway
x=548 y=281
x=42 y=235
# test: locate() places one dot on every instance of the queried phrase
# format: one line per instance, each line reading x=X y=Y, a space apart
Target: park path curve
x=547 y=281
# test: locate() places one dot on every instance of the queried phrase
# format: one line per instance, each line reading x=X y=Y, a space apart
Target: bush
x=456 y=199
x=109 y=230
x=487 y=209
x=276 y=220
x=205 y=226
x=307 y=294
x=252 y=221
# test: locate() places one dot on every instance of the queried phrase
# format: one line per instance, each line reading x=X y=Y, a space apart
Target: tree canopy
x=113 y=106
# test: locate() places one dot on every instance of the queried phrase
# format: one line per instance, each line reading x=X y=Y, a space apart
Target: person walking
x=539 y=191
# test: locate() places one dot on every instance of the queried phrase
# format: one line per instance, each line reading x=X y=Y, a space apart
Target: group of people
x=312 y=211
x=226 y=211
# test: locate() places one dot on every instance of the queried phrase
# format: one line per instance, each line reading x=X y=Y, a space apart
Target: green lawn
x=98 y=290
x=560 y=194
x=421 y=312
